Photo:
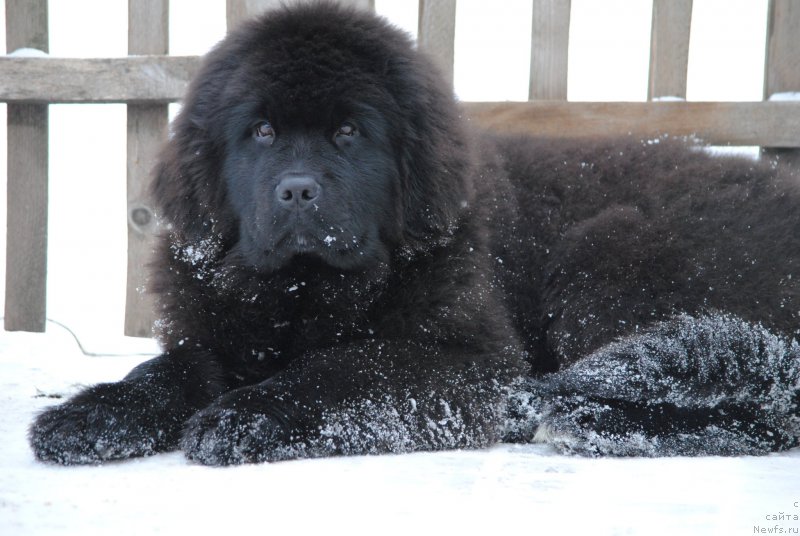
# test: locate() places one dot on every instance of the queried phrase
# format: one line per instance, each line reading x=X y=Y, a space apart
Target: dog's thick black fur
x=350 y=267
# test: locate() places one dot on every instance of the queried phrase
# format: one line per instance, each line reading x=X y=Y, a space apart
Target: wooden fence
x=149 y=79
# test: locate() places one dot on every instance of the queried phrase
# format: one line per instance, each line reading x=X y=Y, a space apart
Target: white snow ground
x=507 y=489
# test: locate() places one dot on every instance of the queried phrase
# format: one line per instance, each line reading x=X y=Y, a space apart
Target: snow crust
x=669 y=98
x=686 y=386
x=507 y=489
x=785 y=96
x=28 y=53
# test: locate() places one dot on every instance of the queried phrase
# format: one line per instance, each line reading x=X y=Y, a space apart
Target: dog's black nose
x=297 y=192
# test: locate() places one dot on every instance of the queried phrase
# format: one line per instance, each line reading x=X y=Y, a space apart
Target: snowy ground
x=504 y=490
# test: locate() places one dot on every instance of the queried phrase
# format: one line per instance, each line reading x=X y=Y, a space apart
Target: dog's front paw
x=221 y=435
x=94 y=427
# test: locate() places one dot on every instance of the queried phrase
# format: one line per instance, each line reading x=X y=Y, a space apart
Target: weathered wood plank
x=782 y=63
x=26 y=25
x=549 y=50
x=437 y=32
x=26 y=243
x=73 y=80
x=368 y=5
x=147 y=130
x=129 y=87
x=772 y=124
x=148 y=27
x=148 y=33
x=783 y=47
x=669 y=48
x=237 y=11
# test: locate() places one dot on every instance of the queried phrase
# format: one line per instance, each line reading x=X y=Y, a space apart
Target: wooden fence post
x=237 y=11
x=368 y=5
x=669 y=48
x=782 y=63
x=437 y=32
x=26 y=245
x=549 y=50
x=148 y=33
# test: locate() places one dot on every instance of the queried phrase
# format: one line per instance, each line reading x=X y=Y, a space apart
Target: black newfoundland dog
x=350 y=267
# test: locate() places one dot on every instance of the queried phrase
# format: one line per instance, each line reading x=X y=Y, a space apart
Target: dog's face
x=309 y=158
x=300 y=139
x=323 y=185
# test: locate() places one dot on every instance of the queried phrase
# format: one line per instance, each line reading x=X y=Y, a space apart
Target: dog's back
x=621 y=234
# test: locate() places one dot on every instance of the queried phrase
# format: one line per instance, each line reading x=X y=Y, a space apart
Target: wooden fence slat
x=26 y=244
x=26 y=25
x=74 y=80
x=669 y=48
x=171 y=89
x=148 y=33
x=146 y=130
x=549 y=50
x=783 y=47
x=368 y=5
x=782 y=62
x=148 y=26
x=437 y=32
x=772 y=124
x=237 y=11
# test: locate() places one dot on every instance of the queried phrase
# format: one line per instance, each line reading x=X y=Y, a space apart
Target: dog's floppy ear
x=188 y=187
x=435 y=154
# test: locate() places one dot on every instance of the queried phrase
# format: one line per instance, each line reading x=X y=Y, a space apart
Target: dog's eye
x=346 y=129
x=264 y=132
